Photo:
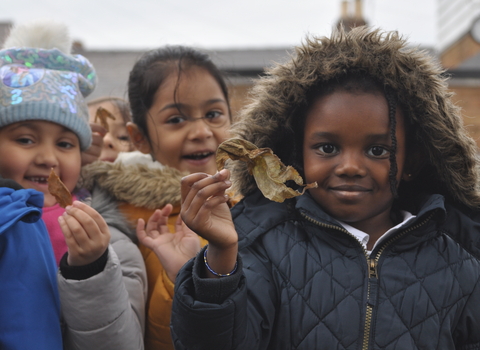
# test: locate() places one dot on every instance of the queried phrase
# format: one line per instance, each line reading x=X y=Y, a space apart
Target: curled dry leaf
x=58 y=189
x=102 y=115
x=268 y=170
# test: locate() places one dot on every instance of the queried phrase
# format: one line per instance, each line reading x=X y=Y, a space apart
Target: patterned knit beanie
x=41 y=80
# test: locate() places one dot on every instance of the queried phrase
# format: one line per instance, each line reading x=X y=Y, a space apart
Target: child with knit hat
x=43 y=126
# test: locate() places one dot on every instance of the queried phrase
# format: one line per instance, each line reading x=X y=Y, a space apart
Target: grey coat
x=107 y=311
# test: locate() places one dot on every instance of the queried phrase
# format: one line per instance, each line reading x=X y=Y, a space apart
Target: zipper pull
x=372 y=268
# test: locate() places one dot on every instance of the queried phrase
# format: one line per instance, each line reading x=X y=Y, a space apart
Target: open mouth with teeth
x=198 y=156
x=38 y=179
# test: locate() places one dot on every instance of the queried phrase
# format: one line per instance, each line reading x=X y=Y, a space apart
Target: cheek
x=221 y=134
x=71 y=169
x=167 y=147
x=12 y=167
x=313 y=168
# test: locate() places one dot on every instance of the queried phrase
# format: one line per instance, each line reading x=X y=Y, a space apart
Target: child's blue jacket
x=29 y=302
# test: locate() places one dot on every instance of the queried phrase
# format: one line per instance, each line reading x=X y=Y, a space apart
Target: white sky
x=212 y=24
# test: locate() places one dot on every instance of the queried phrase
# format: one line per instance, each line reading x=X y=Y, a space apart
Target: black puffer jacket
x=308 y=284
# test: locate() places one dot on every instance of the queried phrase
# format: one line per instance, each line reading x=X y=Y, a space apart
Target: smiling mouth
x=38 y=179
x=349 y=189
x=198 y=156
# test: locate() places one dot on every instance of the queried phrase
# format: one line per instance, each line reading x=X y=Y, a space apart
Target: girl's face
x=28 y=150
x=346 y=150
x=117 y=139
x=188 y=119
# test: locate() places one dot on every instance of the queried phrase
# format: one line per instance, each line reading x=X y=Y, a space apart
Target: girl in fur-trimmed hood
x=379 y=254
x=448 y=154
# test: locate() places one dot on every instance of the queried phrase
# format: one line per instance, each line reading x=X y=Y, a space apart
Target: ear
x=138 y=139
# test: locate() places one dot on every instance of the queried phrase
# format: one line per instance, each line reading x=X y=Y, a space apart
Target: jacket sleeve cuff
x=214 y=290
x=82 y=272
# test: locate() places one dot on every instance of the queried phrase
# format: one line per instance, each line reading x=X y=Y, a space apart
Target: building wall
x=460 y=51
x=454 y=18
x=468 y=98
x=238 y=97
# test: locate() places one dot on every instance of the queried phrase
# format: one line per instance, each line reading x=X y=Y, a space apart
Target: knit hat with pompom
x=41 y=80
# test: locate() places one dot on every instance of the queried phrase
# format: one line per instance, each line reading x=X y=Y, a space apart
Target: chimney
x=344 y=14
x=348 y=20
x=358 y=10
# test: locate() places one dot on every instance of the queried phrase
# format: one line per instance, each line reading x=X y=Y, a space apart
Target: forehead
x=39 y=126
x=194 y=82
x=108 y=105
x=343 y=110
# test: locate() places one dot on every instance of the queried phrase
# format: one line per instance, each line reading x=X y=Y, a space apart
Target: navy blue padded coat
x=306 y=283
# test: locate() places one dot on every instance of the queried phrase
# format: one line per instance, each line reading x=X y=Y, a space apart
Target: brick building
x=459 y=52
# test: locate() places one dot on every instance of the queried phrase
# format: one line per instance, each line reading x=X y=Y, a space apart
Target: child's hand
x=172 y=249
x=205 y=211
x=86 y=234
x=93 y=152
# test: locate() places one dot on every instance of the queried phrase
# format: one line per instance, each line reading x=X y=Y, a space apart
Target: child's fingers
x=187 y=183
x=98 y=129
x=140 y=230
x=157 y=223
x=204 y=186
x=88 y=217
x=75 y=230
x=211 y=189
x=67 y=233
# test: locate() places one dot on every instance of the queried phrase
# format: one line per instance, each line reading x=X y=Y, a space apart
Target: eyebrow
x=371 y=137
x=180 y=106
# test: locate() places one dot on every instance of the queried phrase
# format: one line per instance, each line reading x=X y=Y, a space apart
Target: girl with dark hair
x=383 y=253
x=180 y=114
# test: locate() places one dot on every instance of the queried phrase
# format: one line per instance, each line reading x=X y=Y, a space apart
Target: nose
x=46 y=157
x=199 y=130
x=108 y=141
x=351 y=164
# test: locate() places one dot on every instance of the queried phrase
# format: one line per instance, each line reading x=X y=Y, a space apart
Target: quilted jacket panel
x=306 y=285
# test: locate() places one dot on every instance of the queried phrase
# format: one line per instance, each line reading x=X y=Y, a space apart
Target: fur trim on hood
x=417 y=81
x=138 y=184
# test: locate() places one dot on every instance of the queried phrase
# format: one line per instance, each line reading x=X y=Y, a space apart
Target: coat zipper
x=372 y=263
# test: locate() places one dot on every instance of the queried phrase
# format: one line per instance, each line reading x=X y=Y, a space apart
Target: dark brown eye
x=327 y=148
x=377 y=151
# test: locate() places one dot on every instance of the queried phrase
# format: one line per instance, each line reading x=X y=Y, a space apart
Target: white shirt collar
x=364 y=237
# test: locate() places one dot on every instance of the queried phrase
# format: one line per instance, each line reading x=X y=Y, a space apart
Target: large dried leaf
x=269 y=172
x=58 y=189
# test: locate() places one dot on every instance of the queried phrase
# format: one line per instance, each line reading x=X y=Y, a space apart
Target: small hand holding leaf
x=173 y=249
x=86 y=234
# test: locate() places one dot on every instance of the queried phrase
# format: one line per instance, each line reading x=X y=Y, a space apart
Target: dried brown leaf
x=102 y=115
x=268 y=170
x=58 y=189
